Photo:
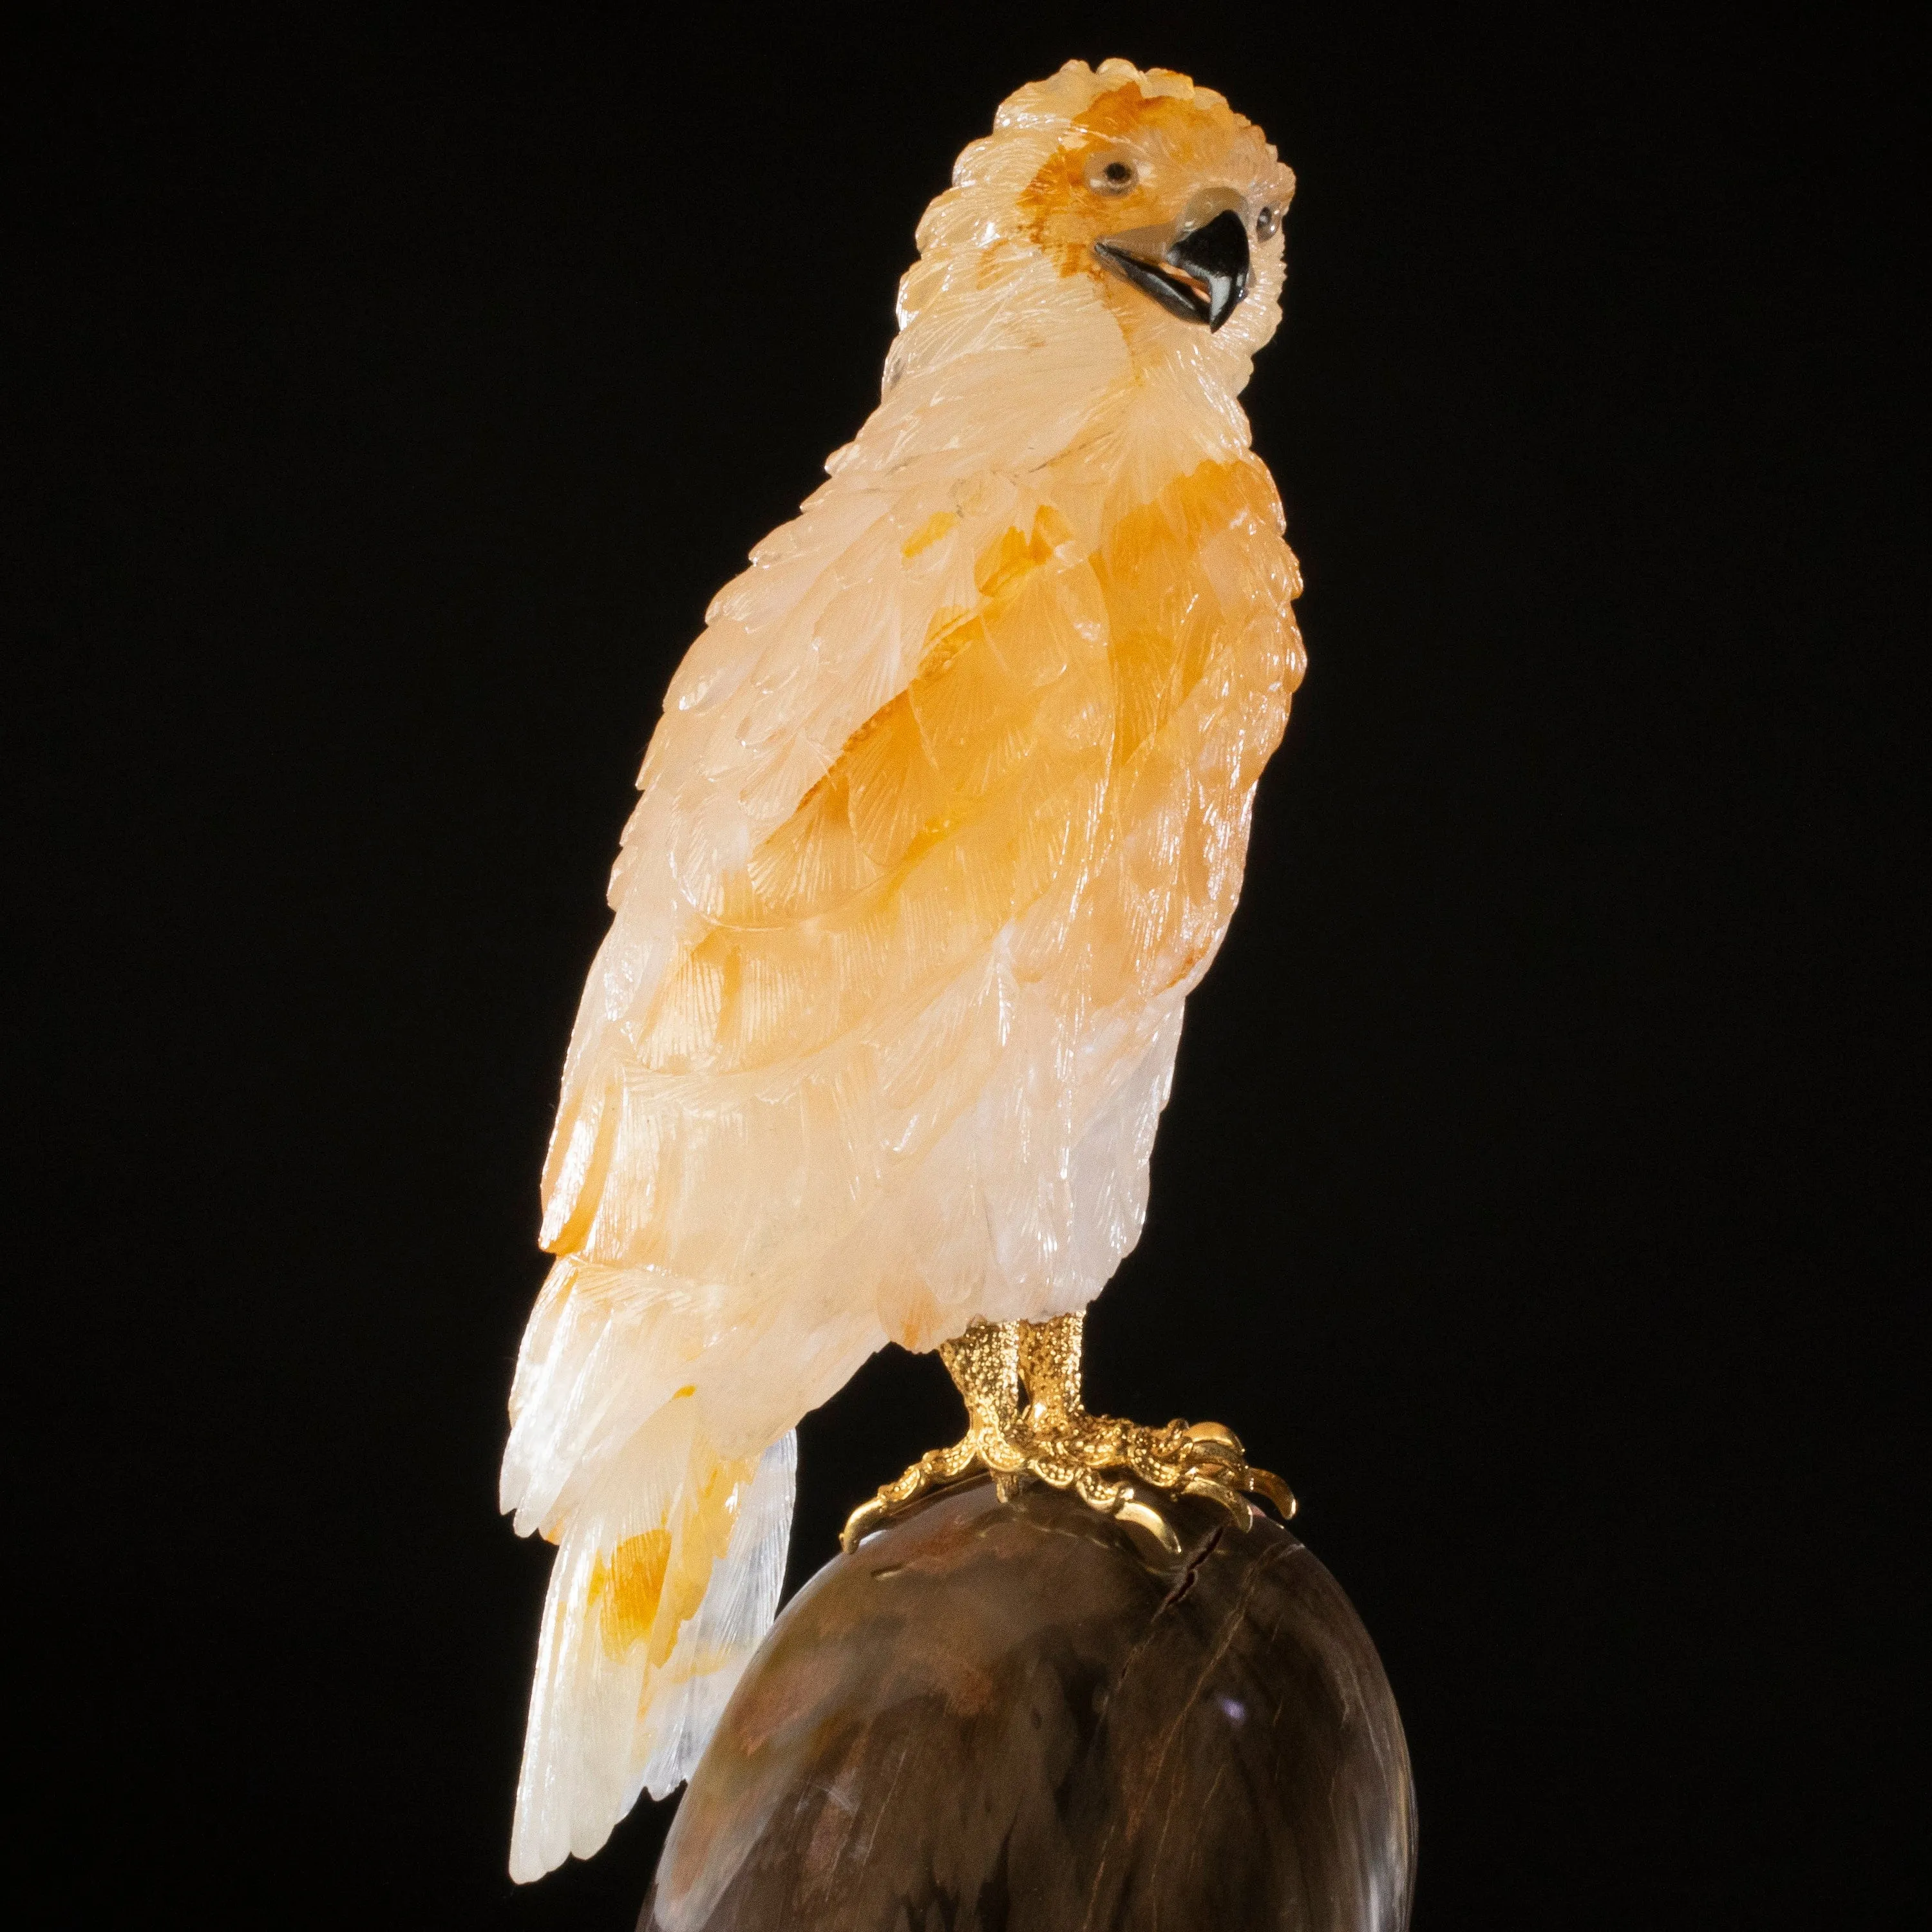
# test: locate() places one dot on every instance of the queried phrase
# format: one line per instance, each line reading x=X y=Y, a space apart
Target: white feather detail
x=605 y=1721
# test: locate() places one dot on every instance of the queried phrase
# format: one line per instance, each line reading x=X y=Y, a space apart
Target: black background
x=389 y=401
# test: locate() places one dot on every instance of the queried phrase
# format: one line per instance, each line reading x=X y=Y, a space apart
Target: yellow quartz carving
x=945 y=816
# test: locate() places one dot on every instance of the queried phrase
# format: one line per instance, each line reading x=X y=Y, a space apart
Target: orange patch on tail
x=650 y=1586
x=625 y=1586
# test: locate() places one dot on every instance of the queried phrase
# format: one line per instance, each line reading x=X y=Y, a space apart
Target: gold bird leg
x=1109 y=1464
x=984 y=1364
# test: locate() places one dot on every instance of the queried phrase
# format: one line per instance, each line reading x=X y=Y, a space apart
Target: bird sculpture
x=945 y=817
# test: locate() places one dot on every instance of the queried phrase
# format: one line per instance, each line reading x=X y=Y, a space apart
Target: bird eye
x=1111 y=174
x=1264 y=225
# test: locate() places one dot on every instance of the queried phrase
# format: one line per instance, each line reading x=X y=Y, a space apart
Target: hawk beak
x=1200 y=276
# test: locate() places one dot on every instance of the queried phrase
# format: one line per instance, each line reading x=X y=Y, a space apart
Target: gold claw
x=869 y=1516
x=1144 y=1516
x=1213 y=1432
x=1267 y=1483
x=1240 y=1509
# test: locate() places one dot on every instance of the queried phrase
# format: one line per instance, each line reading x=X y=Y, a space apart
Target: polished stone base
x=1026 y=1718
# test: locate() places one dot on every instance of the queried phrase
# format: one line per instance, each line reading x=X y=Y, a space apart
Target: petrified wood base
x=1025 y=1718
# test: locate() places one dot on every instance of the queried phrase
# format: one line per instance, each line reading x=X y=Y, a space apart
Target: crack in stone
x=1189 y=1576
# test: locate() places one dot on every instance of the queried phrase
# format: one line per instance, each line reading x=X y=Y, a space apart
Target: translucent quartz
x=944 y=818
x=1025 y=1716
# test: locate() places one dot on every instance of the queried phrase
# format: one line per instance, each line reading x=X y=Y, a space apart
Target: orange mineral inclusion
x=955 y=804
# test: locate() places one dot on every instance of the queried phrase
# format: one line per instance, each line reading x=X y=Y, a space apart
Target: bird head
x=1138 y=192
x=1169 y=192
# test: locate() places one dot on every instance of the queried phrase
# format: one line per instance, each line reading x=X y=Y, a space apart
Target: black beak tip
x=1201 y=278
x=1215 y=255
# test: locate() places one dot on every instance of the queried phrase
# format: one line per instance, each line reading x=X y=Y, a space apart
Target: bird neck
x=1038 y=367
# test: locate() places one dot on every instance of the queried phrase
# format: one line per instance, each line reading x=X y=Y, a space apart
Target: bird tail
x=668 y=1576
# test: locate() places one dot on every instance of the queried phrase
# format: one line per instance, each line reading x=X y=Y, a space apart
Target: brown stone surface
x=1026 y=1718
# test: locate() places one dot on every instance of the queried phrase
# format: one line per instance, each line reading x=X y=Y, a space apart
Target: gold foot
x=984 y=1364
x=1109 y=1464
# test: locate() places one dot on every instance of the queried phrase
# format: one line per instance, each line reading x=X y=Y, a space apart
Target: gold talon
x=1212 y=1431
x=1267 y=1483
x=1144 y=1516
x=1021 y=1384
x=1240 y=1509
x=869 y=1516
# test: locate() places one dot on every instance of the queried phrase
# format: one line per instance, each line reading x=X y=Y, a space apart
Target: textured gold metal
x=1021 y=1384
